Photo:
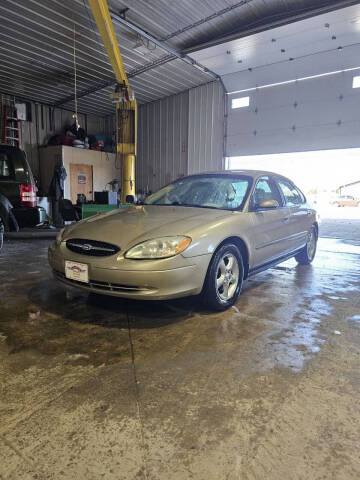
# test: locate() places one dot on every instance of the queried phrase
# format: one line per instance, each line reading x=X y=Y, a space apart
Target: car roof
x=249 y=173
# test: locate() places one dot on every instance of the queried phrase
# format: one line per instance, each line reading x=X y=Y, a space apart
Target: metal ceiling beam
x=110 y=83
x=172 y=55
x=207 y=19
x=21 y=97
x=270 y=22
x=171 y=51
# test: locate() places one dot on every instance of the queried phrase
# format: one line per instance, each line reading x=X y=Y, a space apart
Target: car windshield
x=226 y=192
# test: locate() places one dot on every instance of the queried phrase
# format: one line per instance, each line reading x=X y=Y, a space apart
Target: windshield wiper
x=199 y=206
x=177 y=204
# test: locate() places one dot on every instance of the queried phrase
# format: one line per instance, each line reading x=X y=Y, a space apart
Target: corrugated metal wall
x=162 y=141
x=206 y=128
x=37 y=131
x=179 y=135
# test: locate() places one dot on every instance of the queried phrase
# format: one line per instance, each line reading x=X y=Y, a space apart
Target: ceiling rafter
x=181 y=29
x=207 y=19
x=273 y=21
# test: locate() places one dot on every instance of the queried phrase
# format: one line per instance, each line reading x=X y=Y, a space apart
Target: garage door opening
x=330 y=180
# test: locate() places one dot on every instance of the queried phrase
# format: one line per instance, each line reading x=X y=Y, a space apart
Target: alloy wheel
x=227 y=277
x=311 y=244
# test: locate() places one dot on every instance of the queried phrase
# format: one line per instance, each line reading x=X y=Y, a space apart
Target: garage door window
x=241 y=102
x=292 y=195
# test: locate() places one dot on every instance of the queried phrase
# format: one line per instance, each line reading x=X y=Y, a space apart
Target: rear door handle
x=286 y=219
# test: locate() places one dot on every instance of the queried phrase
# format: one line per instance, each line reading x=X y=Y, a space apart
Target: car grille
x=97 y=285
x=91 y=247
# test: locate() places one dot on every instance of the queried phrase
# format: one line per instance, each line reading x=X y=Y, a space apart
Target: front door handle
x=286 y=219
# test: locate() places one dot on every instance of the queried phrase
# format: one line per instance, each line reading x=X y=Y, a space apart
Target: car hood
x=128 y=226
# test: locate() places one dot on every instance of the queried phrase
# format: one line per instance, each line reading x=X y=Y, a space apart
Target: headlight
x=159 y=248
x=59 y=236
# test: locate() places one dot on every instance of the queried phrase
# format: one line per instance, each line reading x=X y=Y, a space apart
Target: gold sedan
x=200 y=235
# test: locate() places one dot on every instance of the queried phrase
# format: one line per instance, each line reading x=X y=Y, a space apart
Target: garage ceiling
x=318 y=45
x=36 y=44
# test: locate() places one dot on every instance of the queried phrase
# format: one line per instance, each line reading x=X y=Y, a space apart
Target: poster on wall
x=21 y=111
x=81 y=178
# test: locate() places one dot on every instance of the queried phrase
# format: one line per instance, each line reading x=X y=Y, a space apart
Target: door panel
x=269 y=227
x=300 y=220
x=299 y=225
x=269 y=234
x=81 y=181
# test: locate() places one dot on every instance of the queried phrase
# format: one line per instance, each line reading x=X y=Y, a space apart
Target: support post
x=128 y=177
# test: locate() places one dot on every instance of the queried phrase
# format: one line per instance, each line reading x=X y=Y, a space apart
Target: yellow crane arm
x=126 y=108
x=100 y=11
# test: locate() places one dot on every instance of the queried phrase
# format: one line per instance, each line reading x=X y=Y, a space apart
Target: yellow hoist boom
x=126 y=108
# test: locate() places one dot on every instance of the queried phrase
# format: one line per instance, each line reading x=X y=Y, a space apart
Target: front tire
x=224 y=278
x=307 y=254
x=2 y=229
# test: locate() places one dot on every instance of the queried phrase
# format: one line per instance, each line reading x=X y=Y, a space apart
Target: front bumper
x=142 y=279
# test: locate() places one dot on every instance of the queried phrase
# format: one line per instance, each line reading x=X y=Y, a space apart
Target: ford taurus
x=201 y=235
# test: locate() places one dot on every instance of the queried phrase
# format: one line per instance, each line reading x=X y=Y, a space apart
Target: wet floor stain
x=282 y=311
x=265 y=388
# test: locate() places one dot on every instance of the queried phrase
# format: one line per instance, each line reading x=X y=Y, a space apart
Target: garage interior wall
x=162 y=142
x=206 y=128
x=315 y=114
x=34 y=133
x=179 y=135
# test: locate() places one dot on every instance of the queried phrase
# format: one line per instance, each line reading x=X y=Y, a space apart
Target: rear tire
x=307 y=254
x=224 y=278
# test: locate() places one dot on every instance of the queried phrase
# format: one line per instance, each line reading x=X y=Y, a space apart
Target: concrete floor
x=95 y=387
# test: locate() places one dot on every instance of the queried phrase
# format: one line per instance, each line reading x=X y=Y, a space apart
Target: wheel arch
x=6 y=214
x=239 y=242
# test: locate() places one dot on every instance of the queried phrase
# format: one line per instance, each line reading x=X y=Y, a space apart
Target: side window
x=5 y=167
x=292 y=195
x=265 y=189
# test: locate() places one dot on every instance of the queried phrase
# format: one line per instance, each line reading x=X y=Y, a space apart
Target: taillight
x=28 y=195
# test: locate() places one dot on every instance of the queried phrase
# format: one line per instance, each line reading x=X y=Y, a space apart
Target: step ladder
x=11 y=127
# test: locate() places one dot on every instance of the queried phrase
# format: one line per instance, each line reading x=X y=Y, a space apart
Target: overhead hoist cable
x=75 y=116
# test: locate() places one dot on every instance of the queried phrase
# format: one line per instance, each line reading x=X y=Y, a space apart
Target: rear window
x=13 y=165
x=292 y=195
x=6 y=167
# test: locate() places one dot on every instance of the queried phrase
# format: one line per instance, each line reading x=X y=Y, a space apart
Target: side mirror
x=267 y=204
